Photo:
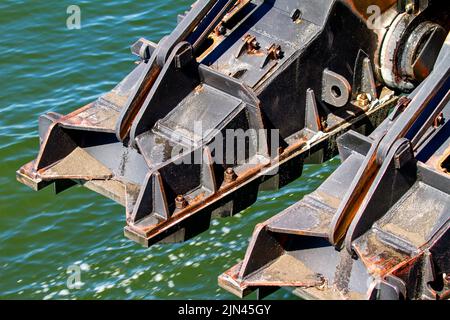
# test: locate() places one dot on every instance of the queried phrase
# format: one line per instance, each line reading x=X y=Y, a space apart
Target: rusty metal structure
x=285 y=77
x=379 y=226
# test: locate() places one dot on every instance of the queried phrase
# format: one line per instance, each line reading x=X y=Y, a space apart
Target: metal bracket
x=312 y=117
x=143 y=48
x=403 y=153
x=382 y=290
x=335 y=89
x=273 y=52
x=249 y=44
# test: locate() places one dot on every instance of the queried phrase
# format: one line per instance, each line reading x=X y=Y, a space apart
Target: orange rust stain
x=199 y=88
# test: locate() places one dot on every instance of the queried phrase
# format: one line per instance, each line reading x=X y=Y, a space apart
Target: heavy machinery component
x=235 y=99
x=379 y=226
x=410 y=48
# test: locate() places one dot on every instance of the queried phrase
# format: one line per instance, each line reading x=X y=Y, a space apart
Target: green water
x=44 y=66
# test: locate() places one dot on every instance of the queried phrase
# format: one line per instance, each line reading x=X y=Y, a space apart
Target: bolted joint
x=251 y=42
x=324 y=123
x=362 y=100
x=439 y=120
x=274 y=52
x=408 y=6
x=229 y=175
x=220 y=30
x=180 y=202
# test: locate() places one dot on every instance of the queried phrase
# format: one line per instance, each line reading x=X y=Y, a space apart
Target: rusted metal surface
x=238 y=7
x=122 y=144
x=379 y=226
x=288 y=79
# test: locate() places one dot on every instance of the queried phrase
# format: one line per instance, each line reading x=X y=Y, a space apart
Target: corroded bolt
x=180 y=202
x=362 y=100
x=252 y=43
x=229 y=175
x=410 y=8
x=274 y=51
x=220 y=30
x=439 y=120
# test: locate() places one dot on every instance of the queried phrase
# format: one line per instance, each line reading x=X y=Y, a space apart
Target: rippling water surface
x=44 y=66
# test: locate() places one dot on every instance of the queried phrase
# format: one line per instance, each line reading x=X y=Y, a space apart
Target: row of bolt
x=363 y=101
x=274 y=50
